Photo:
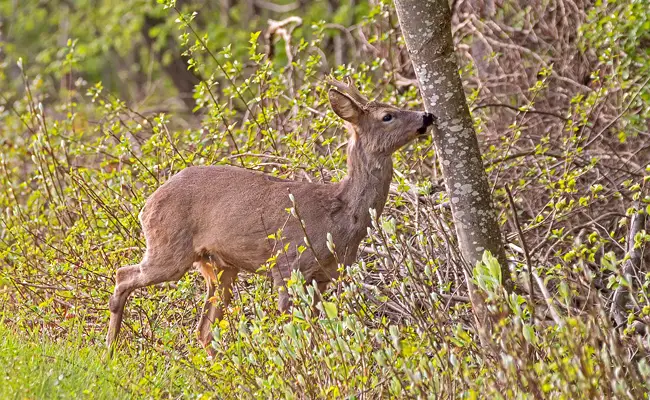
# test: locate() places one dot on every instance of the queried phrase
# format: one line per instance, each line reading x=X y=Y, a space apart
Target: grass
x=35 y=367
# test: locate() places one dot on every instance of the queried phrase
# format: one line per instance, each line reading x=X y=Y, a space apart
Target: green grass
x=34 y=367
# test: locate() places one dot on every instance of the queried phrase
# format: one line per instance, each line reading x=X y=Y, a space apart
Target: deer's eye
x=387 y=118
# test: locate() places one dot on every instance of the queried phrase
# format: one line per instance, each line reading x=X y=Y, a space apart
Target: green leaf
x=330 y=309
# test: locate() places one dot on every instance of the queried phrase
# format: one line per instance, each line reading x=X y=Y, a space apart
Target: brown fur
x=220 y=217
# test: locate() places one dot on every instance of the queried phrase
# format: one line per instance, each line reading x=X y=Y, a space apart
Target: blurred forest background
x=101 y=101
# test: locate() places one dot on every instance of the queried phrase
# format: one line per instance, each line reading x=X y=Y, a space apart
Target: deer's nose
x=428 y=119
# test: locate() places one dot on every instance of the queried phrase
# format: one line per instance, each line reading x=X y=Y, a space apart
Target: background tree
x=427 y=32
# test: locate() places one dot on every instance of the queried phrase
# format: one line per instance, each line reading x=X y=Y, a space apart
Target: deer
x=220 y=219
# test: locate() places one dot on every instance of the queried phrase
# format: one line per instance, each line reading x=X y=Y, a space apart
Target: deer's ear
x=344 y=106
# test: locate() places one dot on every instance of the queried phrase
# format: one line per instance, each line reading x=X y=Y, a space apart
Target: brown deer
x=219 y=218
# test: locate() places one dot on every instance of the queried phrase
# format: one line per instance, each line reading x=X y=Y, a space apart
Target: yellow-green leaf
x=330 y=309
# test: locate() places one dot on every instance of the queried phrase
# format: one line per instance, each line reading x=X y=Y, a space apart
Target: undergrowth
x=78 y=163
x=35 y=366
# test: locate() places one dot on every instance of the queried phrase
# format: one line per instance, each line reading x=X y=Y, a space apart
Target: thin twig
x=529 y=261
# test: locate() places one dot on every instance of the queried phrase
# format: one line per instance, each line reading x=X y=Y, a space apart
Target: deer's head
x=380 y=129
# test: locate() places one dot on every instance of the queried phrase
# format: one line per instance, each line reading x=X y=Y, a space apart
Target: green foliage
x=39 y=367
x=488 y=273
x=79 y=158
x=619 y=33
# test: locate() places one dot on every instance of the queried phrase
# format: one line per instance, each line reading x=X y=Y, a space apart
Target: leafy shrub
x=77 y=167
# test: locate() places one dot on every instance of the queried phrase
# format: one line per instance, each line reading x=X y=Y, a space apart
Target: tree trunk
x=183 y=79
x=426 y=26
x=631 y=267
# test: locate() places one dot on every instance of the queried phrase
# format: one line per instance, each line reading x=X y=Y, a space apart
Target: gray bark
x=426 y=26
x=631 y=267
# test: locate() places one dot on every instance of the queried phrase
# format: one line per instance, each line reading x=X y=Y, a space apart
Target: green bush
x=78 y=163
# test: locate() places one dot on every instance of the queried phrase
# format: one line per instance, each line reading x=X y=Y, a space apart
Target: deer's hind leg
x=223 y=278
x=126 y=281
x=156 y=267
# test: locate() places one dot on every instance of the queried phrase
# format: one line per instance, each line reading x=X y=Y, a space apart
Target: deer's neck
x=367 y=183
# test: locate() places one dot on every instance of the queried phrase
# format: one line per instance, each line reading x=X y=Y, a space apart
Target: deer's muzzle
x=427 y=121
